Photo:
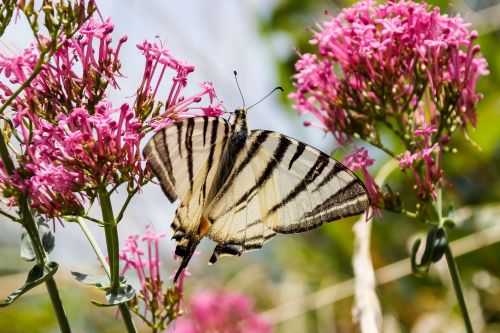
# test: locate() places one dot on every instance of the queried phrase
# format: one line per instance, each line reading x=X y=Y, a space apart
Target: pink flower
x=359 y=160
x=432 y=173
x=221 y=312
x=402 y=66
x=385 y=56
x=146 y=267
x=72 y=138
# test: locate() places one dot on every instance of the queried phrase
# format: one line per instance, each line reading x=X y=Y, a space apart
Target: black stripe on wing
x=298 y=152
x=310 y=177
x=336 y=202
x=189 y=150
x=252 y=151
x=266 y=174
x=158 y=155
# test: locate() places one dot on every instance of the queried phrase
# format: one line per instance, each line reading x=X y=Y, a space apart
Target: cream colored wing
x=280 y=185
x=184 y=157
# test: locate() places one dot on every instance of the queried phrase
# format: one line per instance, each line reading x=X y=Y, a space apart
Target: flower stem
x=113 y=246
x=457 y=285
x=31 y=228
x=57 y=305
x=94 y=245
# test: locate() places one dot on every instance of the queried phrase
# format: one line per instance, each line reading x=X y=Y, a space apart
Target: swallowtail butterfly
x=240 y=187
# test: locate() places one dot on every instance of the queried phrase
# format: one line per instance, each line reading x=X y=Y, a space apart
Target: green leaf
x=124 y=294
x=27 y=252
x=101 y=282
x=46 y=236
x=36 y=276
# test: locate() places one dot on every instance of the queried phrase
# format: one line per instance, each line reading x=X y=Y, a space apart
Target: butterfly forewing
x=313 y=187
x=185 y=158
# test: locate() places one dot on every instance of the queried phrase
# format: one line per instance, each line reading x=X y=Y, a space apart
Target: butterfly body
x=240 y=187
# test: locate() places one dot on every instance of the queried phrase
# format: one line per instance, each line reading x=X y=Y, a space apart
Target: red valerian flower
x=72 y=139
x=400 y=65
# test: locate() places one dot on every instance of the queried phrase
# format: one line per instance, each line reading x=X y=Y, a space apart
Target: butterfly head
x=240 y=122
x=241 y=114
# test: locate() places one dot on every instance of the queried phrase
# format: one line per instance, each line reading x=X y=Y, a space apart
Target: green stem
x=94 y=245
x=380 y=146
x=457 y=285
x=57 y=305
x=113 y=246
x=30 y=225
x=10 y=217
x=125 y=205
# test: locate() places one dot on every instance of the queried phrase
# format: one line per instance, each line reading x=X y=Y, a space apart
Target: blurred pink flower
x=431 y=156
x=221 y=312
x=147 y=268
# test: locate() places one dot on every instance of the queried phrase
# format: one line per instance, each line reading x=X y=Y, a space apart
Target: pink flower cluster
x=399 y=65
x=431 y=156
x=72 y=138
x=176 y=106
x=221 y=312
x=75 y=153
x=147 y=268
x=359 y=160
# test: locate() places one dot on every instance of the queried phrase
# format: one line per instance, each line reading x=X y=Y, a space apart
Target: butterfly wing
x=185 y=157
x=280 y=185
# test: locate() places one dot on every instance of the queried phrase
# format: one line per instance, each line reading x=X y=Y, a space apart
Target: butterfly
x=240 y=187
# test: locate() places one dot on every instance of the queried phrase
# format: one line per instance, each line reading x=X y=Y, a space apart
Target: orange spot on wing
x=203 y=227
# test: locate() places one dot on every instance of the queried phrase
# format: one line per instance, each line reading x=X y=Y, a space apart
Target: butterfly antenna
x=263 y=98
x=239 y=89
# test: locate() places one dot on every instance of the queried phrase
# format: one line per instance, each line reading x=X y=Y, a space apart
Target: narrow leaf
x=36 y=276
x=46 y=236
x=124 y=294
x=101 y=282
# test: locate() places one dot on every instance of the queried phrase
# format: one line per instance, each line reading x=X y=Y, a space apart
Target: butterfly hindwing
x=281 y=185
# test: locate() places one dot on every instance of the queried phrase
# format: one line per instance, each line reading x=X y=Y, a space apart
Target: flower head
x=374 y=61
x=359 y=160
x=157 y=306
x=397 y=65
x=73 y=140
x=222 y=312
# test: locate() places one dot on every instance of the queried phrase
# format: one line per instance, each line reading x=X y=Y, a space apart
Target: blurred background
x=300 y=283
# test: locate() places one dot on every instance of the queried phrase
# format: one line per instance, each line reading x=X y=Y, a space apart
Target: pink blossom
x=359 y=160
x=399 y=65
x=360 y=42
x=146 y=266
x=221 y=312
x=432 y=174
x=73 y=140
